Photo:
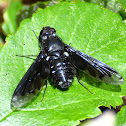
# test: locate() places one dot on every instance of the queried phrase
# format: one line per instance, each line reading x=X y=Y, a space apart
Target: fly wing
x=32 y=82
x=93 y=67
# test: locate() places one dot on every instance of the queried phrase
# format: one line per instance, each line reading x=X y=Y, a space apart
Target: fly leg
x=27 y=56
x=79 y=80
x=44 y=92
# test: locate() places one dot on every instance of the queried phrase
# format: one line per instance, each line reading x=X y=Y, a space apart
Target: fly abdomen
x=62 y=72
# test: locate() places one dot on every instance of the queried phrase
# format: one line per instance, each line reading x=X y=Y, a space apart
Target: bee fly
x=59 y=60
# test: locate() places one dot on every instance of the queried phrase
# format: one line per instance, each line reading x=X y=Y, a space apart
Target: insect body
x=61 y=69
x=58 y=60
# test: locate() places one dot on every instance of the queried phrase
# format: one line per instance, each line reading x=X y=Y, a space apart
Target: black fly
x=58 y=60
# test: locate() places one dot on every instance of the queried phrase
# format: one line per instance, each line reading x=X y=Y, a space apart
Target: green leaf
x=121 y=117
x=86 y=27
x=10 y=25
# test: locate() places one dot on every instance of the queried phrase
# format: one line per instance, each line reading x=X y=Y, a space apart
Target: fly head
x=46 y=33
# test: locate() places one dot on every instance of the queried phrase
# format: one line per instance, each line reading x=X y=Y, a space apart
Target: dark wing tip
x=117 y=79
x=17 y=102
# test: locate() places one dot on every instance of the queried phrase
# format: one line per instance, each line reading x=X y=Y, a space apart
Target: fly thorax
x=53 y=44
